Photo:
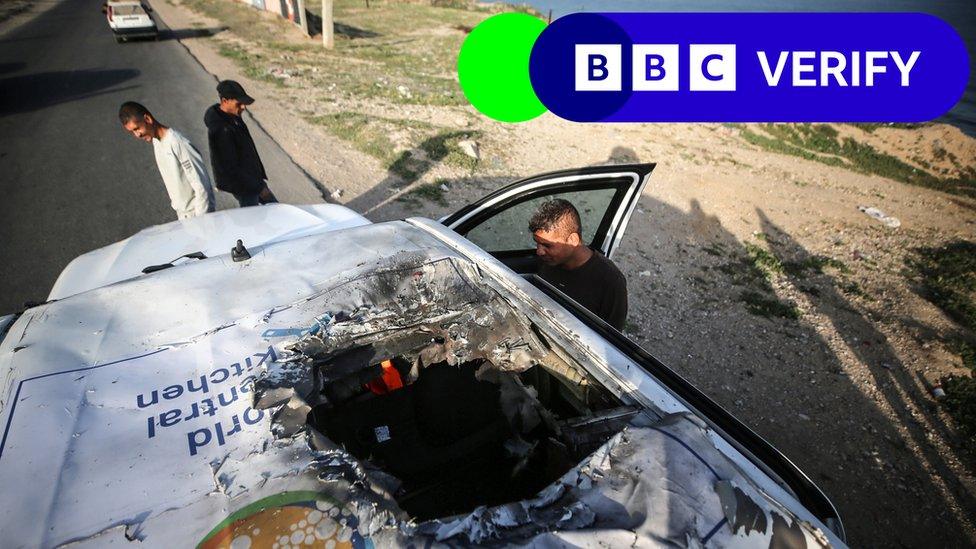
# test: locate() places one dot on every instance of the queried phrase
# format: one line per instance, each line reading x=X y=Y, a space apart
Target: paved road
x=70 y=179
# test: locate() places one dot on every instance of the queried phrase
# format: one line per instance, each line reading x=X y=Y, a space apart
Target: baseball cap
x=229 y=89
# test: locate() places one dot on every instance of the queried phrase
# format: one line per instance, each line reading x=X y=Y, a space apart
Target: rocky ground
x=752 y=271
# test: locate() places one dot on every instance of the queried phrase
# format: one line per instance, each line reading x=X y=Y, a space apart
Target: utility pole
x=302 y=17
x=328 y=29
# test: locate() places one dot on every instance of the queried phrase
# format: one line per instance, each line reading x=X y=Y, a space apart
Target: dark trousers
x=254 y=199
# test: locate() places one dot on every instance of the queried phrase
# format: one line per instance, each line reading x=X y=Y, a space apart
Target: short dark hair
x=551 y=212
x=131 y=110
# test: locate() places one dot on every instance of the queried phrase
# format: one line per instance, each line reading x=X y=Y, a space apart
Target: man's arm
x=226 y=151
x=195 y=173
x=615 y=303
x=169 y=171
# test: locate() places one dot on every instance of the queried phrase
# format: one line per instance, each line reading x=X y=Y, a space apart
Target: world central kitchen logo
x=717 y=67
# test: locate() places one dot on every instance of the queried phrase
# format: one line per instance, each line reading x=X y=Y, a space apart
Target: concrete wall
x=292 y=10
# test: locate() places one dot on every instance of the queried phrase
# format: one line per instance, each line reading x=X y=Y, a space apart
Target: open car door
x=604 y=195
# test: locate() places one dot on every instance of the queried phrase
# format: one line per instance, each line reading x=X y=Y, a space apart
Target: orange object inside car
x=390 y=380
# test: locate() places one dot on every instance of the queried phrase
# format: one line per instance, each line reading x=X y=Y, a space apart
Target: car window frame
x=598 y=234
x=476 y=212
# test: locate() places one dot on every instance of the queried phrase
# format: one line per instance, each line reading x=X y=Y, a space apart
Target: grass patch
x=251 y=63
x=369 y=135
x=852 y=288
x=443 y=147
x=397 y=52
x=870 y=126
x=947 y=276
x=715 y=248
x=744 y=272
x=815 y=263
x=758 y=266
x=428 y=192
x=820 y=143
x=965 y=351
x=407 y=148
x=761 y=305
x=763 y=260
x=960 y=403
x=762 y=263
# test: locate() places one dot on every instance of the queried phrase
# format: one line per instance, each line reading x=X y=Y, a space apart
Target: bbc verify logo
x=720 y=67
x=749 y=67
x=711 y=67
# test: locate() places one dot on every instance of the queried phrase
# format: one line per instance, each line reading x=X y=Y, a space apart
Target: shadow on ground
x=11 y=67
x=31 y=92
x=183 y=34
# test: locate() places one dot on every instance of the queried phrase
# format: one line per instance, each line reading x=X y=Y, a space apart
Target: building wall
x=289 y=9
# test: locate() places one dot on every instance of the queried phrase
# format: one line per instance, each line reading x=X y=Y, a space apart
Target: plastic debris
x=889 y=221
x=470 y=148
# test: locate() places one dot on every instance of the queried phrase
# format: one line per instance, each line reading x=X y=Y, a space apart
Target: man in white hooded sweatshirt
x=180 y=164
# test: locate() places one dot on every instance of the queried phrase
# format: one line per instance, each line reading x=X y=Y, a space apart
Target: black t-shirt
x=597 y=285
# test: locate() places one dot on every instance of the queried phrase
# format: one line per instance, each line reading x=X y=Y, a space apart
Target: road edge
x=21 y=18
x=163 y=21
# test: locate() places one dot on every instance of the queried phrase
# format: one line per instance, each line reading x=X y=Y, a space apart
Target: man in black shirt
x=236 y=165
x=568 y=263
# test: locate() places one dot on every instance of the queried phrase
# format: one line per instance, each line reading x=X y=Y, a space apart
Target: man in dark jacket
x=566 y=262
x=236 y=165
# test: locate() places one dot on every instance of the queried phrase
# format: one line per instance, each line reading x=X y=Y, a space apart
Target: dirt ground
x=841 y=384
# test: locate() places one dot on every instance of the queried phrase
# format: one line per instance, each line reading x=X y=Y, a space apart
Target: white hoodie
x=186 y=179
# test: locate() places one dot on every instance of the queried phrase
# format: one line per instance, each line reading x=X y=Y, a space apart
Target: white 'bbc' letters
x=655 y=67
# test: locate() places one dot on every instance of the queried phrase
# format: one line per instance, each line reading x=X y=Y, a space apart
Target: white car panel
x=213 y=234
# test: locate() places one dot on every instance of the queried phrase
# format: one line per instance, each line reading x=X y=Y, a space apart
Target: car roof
x=212 y=234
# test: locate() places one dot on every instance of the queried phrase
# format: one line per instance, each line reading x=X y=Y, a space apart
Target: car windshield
x=128 y=9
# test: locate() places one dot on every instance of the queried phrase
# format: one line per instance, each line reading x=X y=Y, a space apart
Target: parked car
x=130 y=20
x=332 y=381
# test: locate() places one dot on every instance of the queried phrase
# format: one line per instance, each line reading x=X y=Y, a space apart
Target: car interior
x=465 y=435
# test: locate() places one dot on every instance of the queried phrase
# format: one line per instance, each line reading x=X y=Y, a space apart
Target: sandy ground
x=843 y=390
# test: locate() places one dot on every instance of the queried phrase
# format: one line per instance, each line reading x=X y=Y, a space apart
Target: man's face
x=141 y=128
x=232 y=106
x=555 y=246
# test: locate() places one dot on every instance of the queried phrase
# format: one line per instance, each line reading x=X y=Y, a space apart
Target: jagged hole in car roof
x=461 y=405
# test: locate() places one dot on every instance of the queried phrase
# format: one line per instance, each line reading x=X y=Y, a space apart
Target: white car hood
x=163 y=408
x=213 y=234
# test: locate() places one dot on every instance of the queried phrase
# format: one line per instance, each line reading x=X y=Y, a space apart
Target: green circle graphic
x=493 y=67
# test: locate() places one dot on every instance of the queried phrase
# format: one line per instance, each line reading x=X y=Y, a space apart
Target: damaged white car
x=332 y=382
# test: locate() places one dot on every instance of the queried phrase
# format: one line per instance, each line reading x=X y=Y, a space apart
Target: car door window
x=508 y=230
x=604 y=195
